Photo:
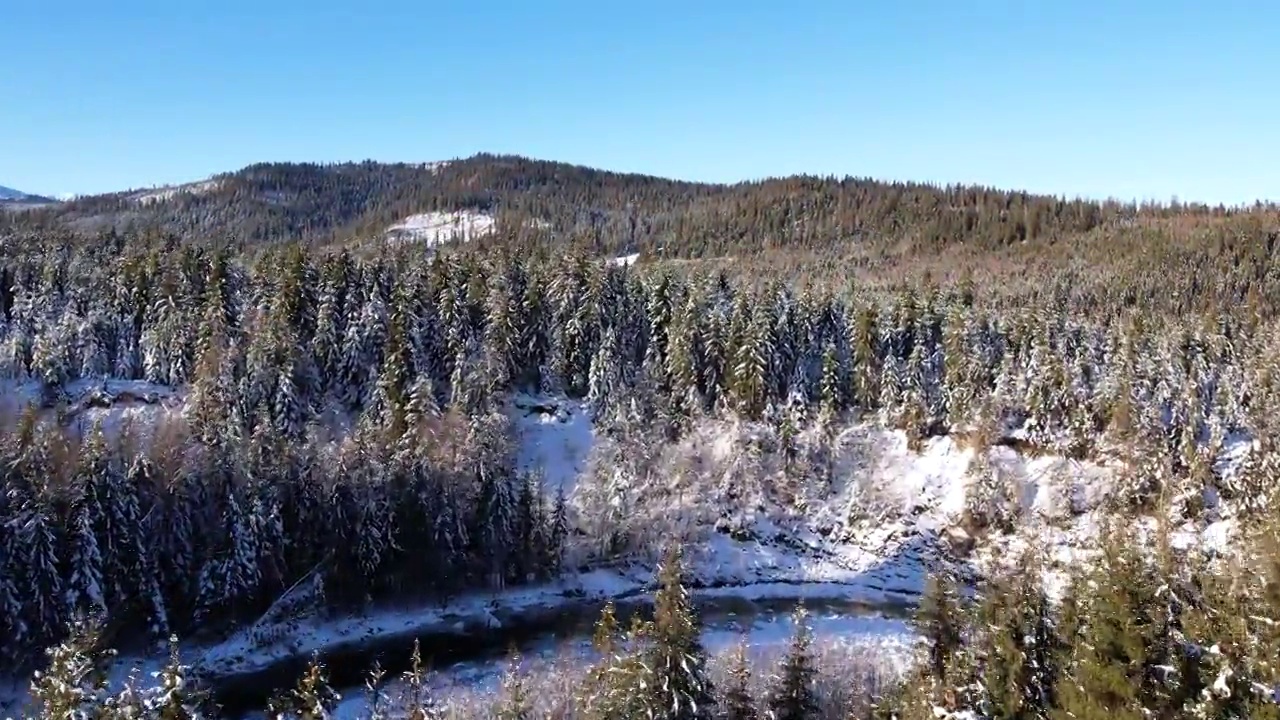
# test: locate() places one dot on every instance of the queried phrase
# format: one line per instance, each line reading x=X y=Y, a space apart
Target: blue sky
x=1134 y=99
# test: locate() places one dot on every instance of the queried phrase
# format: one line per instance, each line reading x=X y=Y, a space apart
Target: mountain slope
x=619 y=213
x=8 y=194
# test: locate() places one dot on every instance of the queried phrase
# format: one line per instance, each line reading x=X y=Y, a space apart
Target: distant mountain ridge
x=616 y=213
x=8 y=194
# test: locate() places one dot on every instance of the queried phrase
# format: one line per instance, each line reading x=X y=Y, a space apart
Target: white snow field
x=434 y=228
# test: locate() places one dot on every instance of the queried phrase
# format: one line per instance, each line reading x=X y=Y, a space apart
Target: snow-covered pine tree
x=415 y=701
x=74 y=684
x=738 y=703
x=388 y=404
x=501 y=333
x=288 y=404
x=558 y=532
x=792 y=696
x=494 y=525
x=604 y=379
x=422 y=407
x=751 y=374
x=326 y=344
x=312 y=699
x=231 y=578
x=940 y=620
x=14 y=640
x=42 y=589
x=684 y=350
x=375 y=526
x=833 y=387
x=171 y=525
x=515 y=702
x=214 y=373
x=93 y=357
x=84 y=588
x=535 y=340
x=50 y=361
x=958 y=374
x=865 y=358
x=681 y=688
x=17 y=350
x=659 y=309
x=175 y=696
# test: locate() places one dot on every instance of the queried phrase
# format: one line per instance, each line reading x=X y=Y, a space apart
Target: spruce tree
x=793 y=696
x=738 y=703
x=74 y=684
x=940 y=619
x=175 y=696
x=312 y=699
x=682 y=689
x=515 y=704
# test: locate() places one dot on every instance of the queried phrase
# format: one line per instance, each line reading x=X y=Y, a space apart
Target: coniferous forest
x=326 y=419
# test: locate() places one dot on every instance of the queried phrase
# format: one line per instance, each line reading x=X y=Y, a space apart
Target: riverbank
x=245 y=669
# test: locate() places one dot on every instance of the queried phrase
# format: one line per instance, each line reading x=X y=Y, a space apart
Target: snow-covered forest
x=198 y=435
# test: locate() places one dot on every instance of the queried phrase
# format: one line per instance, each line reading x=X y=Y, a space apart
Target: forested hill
x=275 y=202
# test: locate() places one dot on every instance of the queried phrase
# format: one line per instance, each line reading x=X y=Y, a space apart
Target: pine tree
x=416 y=702
x=312 y=699
x=940 y=621
x=682 y=689
x=792 y=697
x=738 y=703
x=175 y=697
x=1106 y=669
x=37 y=552
x=515 y=703
x=84 y=584
x=558 y=533
x=13 y=629
x=752 y=365
x=833 y=387
x=74 y=684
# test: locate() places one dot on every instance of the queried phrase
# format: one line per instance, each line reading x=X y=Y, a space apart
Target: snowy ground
x=115 y=404
x=884 y=516
x=434 y=228
x=555 y=440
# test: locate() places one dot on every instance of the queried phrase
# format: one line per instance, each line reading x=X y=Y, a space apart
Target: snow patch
x=434 y=228
x=555 y=439
x=114 y=404
x=169 y=192
x=625 y=260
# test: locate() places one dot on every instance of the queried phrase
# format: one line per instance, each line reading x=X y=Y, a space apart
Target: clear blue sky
x=1134 y=99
